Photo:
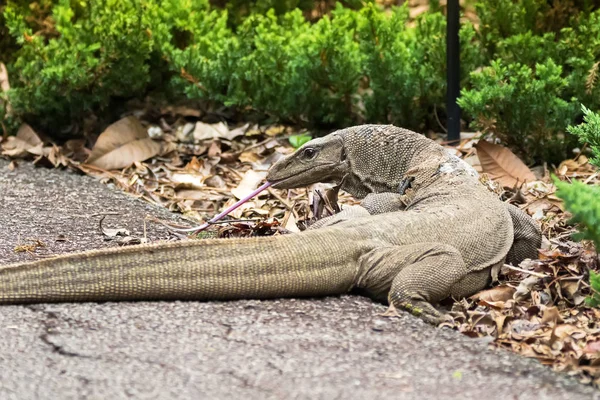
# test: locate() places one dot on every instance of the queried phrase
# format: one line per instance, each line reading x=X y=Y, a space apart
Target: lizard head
x=319 y=160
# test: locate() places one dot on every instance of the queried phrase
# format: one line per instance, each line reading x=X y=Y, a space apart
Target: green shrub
x=353 y=65
x=522 y=106
x=517 y=36
x=583 y=201
x=100 y=51
x=594 y=299
x=239 y=10
x=406 y=67
x=588 y=132
x=503 y=19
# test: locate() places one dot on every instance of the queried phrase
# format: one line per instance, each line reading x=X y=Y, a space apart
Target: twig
x=196 y=229
x=589 y=178
x=438 y=119
x=281 y=199
x=525 y=271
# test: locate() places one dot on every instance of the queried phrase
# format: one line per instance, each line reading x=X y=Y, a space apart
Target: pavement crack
x=58 y=349
x=50 y=320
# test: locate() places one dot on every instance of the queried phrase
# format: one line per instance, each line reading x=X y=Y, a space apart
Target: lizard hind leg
x=413 y=276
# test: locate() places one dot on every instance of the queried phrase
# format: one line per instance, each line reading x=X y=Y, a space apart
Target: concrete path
x=331 y=348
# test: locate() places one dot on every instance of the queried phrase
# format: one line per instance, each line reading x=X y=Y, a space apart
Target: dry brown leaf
x=122 y=144
x=191 y=194
x=551 y=315
x=188 y=180
x=76 y=150
x=567 y=166
x=498 y=293
x=249 y=183
x=112 y=232
x=275 y=130
x=525 y=287
x=4 y=85
x=502 y=164
x=592 y=347
x=220 y=130
x=25 y=142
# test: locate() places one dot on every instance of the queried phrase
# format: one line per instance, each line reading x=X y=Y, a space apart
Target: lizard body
x=381 y=179
x=445 y=242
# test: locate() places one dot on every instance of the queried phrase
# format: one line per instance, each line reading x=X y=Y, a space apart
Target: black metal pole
x=453 y=69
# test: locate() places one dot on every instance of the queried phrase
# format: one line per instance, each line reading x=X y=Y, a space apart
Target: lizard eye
x=309 y=153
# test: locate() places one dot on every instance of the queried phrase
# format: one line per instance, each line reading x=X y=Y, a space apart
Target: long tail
x=307 y=264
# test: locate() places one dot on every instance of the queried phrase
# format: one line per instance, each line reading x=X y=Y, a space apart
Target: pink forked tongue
x=225 y=212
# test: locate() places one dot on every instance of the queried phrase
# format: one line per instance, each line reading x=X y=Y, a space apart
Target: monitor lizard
x=446 y=240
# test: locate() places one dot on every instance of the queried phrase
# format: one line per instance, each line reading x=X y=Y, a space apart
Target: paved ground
x=332 y=348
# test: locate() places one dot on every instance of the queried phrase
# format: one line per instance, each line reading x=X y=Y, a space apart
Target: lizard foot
x=423 y=310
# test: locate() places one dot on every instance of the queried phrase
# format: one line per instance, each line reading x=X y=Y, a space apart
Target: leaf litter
x=537 y=308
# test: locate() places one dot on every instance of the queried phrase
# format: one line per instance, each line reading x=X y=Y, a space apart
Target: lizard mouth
x=300 y=179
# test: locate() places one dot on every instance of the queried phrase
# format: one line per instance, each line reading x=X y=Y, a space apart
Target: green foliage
x=298 y=140
x=523 y=106
x=594 y=299
x=239 y=10
x=518 y=37
x=274 y=60
x=583 y=202
x=99 y=52
x=589 y=132
x=406 y=68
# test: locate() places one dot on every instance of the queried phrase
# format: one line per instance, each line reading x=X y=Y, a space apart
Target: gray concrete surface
x=331 y=348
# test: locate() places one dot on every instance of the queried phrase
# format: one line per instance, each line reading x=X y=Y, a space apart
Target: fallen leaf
x=502 y=164
x=563 y=331
x=291 y=224
x=193 y=165
x=122 y=144
x=566 y=166
x=498 y=293
x=250 y=182
x=525 y=287
x=275 y=130
x=25 y=142
x=203 y=131
x=188 y=180
x=112 y=232
x=550 y=315
x=4 y=84
x=571 y=290
x=75 y=149
x=592 y=347
x=216 y=181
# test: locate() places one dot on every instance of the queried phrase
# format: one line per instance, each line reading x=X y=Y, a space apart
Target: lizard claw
x=423 y=310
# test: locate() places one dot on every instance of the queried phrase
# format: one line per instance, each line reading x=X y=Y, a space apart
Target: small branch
x=281 y=199
x=525 y=271
x=196 y=229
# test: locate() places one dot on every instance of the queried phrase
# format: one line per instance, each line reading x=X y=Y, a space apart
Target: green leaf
x=298 y=140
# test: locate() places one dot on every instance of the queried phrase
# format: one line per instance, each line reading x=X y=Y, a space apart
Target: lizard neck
x=380 y=156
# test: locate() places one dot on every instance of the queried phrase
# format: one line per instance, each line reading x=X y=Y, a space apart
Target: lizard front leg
x=384 y=202
x=414 y=276
x=372 y=204
x=344 y=215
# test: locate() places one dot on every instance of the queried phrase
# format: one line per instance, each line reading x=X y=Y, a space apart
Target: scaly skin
x=378 y=175
x=447 y=240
